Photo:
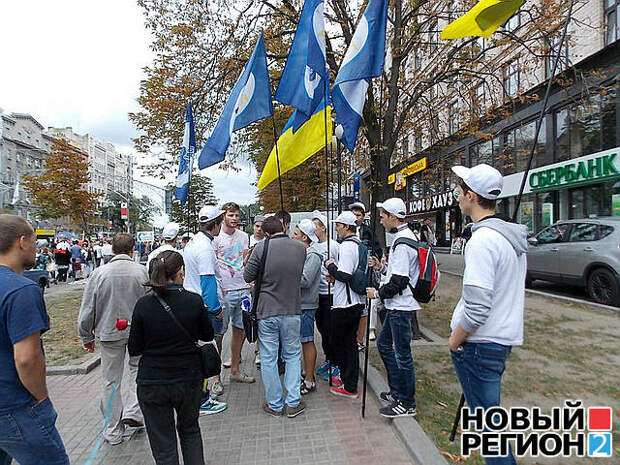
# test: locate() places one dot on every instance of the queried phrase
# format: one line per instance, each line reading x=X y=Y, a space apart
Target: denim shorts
x=232 y=308
x=217 y=323
x=307 y=326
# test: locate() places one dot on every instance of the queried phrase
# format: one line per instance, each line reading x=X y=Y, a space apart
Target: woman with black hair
x=169 y=376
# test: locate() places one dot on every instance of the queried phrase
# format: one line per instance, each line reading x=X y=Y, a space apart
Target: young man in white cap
x=310 y=279
x=323 y=313
x=488 y=320
x=348 y=306
x=201 y=278
x=169 y=234
x=394 y=341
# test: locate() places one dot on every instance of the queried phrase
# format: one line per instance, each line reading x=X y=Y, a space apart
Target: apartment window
x=418 y=143
x=454 y=117
x=511 y=79
x=513 y=23
x=480 y=100
x=612 y=19
x=553 y=44
x=433 y=36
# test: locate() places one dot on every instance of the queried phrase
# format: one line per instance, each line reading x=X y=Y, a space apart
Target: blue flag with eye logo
x=187 y=157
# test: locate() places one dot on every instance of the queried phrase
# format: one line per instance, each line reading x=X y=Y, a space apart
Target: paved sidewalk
x=330 y=432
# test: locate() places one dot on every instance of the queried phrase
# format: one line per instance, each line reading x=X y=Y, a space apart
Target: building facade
x=576 y=168
x=24 y=146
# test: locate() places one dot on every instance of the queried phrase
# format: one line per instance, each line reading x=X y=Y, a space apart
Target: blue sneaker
x=212 y=406
x=324 y=368
x=335 y=372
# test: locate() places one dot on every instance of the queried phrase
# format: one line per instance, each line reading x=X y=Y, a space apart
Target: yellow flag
x=482 y=20
x=296 y=148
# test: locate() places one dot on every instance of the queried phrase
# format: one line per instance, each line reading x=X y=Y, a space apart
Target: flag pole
x=543 y=111
x=328 y=225
x=275 y=139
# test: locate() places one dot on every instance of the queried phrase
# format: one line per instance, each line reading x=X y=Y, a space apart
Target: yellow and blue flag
x=296 y=147
x=249 y=101
x=482 y=20
x=364 y=60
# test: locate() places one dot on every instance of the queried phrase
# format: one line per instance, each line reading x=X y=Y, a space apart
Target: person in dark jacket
x=169 y=376
x=62 y=257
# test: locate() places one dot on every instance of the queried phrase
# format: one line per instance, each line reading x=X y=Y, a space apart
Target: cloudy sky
x=79 y=63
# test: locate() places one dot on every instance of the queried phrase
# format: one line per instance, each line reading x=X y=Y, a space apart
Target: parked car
x=583 y=252
x=41 y=277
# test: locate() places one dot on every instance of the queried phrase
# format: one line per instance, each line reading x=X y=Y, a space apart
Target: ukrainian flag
x=296 y=148
x=482 y=20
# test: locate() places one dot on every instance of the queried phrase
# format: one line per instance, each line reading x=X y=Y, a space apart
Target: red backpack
x=429 y=271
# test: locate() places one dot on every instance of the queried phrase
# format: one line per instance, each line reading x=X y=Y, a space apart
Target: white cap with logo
x=307 y=227
x=395 y=206
x=347 y=218
x=171 y=230
x=357 y=205
x=483 y=179
x=317 y=215
x=209 y=212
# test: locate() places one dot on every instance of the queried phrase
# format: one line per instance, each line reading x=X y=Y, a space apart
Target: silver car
x=579 y=252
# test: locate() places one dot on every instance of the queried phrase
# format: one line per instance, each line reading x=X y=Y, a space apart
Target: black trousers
x=159 y=403
x=322 y=318
x=344 y=344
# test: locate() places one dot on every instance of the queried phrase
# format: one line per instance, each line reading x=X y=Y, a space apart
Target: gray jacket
x=280 y=290
x=111 y=292
x=311 y=279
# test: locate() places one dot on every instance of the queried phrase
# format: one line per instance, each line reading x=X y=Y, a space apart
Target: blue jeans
x=29 y=435
x=307 y=326
x=272 y=332
x=394 y=345
x=479 y=368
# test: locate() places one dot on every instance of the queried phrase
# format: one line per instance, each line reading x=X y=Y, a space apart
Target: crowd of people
x=151 y=317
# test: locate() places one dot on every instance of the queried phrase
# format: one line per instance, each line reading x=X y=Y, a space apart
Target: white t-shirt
x=229 y=251
x=254 y=241
x=348 y=260
x=403 y=261
x=98 y=251
x=321 y=247
x=107 y=250
x=200 y=261
x=156 y=252
x=492 y=263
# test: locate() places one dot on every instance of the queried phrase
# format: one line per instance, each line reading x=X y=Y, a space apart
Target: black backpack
x=359 y=280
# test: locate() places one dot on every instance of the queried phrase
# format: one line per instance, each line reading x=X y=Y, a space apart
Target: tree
x=201 y=47
x=140 y=212
x=61 y=189
x=200 y=194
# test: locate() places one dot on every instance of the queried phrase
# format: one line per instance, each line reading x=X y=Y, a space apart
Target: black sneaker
x=387 y=397
x=396 y=410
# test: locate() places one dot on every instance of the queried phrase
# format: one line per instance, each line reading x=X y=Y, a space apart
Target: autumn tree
x=200 y=194
x=201 y=47
x=140 y=212
x=60 y=190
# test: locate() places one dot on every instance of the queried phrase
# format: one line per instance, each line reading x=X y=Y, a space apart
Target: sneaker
x=387 y=396
x=336 y=381
x=335 y=372
x=341 y=391
x=271 y=412
x=217 y=388
x=227 y=363
x=373 y=335
x=292 y=412
x=212 y=406
x=242 y=378
x=132 y=423
x=323 y=369
x=257 y=360
x=115 y=441
x=361 y=346
x=396 y=410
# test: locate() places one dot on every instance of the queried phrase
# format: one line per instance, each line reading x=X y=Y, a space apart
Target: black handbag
x=250 y=320
x=210 y=361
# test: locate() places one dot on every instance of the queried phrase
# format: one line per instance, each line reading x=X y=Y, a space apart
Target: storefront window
x=609 y=120
x=562 y=142
x=524 y=140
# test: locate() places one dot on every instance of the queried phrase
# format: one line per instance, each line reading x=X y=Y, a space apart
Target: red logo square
x=599 y=418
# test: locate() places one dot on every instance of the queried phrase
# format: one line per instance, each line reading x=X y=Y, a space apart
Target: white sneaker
x=257 y=359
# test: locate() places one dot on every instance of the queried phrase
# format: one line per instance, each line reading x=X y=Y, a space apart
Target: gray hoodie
x=311 y=279
x=506 y=277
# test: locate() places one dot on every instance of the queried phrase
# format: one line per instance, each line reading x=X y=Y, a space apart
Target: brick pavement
x=330 y=432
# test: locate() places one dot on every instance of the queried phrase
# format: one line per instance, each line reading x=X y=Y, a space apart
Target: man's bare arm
x=30 y=364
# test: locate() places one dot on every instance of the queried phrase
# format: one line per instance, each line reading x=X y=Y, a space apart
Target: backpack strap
x=358 y=242
x=410 y=243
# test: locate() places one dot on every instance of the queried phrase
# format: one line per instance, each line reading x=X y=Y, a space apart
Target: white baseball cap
x=357 y=205
x=317 y=215
x=307 y=227
x=171 y=230
x=483 y=179
x=209 y=212
x=347 y=218
x=395 y=206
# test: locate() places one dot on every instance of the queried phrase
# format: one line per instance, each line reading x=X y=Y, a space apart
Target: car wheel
x=603 y=287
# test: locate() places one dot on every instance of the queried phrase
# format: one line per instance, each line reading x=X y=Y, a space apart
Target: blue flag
x=364 y=60
x=249 y=101
x=306 y=64
x=187 y=157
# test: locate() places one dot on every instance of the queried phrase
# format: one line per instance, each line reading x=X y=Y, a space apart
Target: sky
x=79 y=64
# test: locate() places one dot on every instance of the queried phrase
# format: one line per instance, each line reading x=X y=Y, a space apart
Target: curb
x=82 y=369
x=419 y=446
x=585 y=303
